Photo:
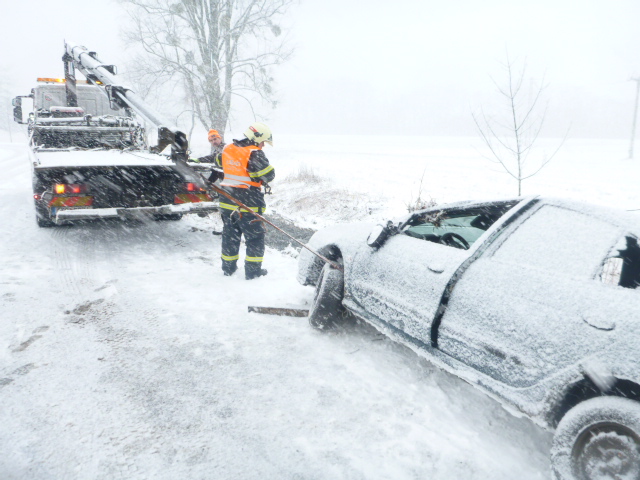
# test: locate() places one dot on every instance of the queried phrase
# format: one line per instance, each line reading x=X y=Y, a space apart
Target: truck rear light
x=192 y=187
x=62 y=188
x=37 y=197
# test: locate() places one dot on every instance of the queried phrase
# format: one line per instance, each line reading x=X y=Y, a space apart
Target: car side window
x=559 y=240
x=456 y=228
x=434 y=229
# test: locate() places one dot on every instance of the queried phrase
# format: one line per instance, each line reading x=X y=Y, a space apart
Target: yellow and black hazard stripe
x=71 y=202
x=191 y=198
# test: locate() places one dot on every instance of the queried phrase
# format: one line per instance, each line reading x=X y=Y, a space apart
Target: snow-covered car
x=533 y=300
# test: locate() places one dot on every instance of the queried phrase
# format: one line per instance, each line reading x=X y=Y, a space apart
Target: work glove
x=215 y=175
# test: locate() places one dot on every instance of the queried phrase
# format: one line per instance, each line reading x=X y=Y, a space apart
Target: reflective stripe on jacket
x=229 y=206
x=234 y=164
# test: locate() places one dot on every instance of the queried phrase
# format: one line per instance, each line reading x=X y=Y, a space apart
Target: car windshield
x=445 y=226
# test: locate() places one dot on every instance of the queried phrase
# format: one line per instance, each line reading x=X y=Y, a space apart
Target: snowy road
x=124 y=353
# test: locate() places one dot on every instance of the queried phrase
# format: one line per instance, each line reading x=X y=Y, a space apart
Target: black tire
x=42 y=218
x=598 y=439
x=327 y=311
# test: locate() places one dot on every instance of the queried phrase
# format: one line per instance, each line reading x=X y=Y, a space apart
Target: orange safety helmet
x=214 y=133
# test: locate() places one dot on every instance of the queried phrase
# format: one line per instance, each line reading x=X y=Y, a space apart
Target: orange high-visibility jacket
x=234 y=164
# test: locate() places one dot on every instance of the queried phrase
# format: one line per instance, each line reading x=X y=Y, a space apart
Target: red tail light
x=192 y=187
x=72 y=188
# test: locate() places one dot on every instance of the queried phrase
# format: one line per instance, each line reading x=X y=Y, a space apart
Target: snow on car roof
x=98 y=158
x=613 y=215
x=628 y=220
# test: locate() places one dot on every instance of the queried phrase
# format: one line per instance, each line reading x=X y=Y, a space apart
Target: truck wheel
x=327 y=311
x=42 y=218
x=598 y=439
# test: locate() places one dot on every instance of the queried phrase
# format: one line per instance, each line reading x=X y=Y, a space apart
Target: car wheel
x=327 y=311
x=598 y=439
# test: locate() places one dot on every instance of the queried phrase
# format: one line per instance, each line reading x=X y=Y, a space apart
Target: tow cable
x=287 y=312
x=242 y=206
x=182 y=165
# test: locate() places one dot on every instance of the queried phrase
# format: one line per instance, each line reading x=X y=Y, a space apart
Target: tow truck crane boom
x=120 y=96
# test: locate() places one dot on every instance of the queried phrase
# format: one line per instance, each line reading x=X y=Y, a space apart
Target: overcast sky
x=401 y=67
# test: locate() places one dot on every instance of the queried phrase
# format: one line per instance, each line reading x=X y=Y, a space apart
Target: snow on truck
x=89 y=155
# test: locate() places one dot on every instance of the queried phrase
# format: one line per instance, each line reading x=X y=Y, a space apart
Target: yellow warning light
x=51 y=80
x=60 y=188
x=61 y=80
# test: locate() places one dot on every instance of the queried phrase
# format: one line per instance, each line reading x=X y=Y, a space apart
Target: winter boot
x=229 y=268
x=254 y=273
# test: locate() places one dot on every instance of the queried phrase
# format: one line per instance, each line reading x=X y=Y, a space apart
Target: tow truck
x=90 y=156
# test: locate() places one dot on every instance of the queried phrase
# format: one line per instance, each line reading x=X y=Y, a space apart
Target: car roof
x=622 y=218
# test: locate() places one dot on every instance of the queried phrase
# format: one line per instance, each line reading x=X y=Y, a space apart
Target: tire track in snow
x=73 y=262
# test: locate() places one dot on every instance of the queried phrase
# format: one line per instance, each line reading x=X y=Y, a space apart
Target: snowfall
x=125 y=352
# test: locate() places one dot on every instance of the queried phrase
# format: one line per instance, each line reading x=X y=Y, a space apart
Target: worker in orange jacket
x=246 y=171
x=217 y=145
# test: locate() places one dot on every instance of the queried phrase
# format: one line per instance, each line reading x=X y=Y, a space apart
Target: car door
x=534 y=304
x=402 y=282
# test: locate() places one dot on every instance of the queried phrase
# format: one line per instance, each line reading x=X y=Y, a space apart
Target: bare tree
x=215 y=50
x=511 y=136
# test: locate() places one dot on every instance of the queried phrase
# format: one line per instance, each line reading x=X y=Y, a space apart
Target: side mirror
x=17 y=109
x=379 y=234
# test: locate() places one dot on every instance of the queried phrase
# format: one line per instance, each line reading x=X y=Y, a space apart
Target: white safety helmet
x=259 y=132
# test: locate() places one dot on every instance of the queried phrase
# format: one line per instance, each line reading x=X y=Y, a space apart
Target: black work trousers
x=234 y=226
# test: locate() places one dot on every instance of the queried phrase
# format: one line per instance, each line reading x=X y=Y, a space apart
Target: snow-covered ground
x=125 y=353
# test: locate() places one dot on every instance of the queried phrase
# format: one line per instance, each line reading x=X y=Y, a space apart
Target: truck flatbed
x=98 y=158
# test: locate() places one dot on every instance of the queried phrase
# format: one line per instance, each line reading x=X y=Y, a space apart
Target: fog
x=403 y=67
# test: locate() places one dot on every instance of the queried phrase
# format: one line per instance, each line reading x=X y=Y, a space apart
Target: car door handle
x=435 y=268
x=599 y=323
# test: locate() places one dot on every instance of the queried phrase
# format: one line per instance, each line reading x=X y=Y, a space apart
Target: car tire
x=326 y=311
x=598 y=439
